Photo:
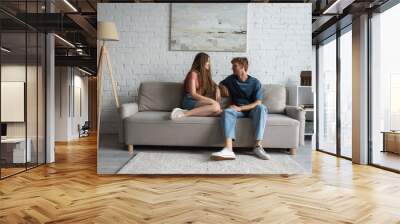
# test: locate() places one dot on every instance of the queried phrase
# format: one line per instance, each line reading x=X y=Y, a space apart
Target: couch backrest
x=274 y=98
x=165 y=96
x=160 y=96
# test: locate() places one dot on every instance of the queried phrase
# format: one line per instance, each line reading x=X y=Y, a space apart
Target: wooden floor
x=70 y=191
x=5 y=172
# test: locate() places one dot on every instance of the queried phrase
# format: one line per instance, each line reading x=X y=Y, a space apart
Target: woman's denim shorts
x=188 y=102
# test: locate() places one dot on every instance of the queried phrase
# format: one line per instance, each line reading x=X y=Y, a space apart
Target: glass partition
x=13 y=92
x=385 y=89
x=31 y=99
x=346 y=93
x=327 y=96
x=22 y=77
x=335 y=94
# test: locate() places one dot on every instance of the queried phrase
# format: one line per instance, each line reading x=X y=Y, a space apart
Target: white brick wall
x=278 y=39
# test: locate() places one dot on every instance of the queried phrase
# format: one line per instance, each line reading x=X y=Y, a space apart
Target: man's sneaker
x=260 y=152
x=177 y=113
x=224 y=154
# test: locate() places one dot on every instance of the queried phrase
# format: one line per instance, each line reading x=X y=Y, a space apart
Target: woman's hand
x=211 y=100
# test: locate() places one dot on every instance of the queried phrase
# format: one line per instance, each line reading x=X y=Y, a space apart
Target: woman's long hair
x=206 y=84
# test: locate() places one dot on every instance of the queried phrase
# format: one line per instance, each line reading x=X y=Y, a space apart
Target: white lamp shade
x=107 y=31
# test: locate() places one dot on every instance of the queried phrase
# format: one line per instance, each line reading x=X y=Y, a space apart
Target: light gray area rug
x=198 y=162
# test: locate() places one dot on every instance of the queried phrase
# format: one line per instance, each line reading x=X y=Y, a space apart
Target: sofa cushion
x=160 y=96
x=281 y=120
x=163 y=118
x=155 y=128
x=274 y=98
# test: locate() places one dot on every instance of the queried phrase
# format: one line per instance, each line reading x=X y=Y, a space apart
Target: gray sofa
x=147 y=122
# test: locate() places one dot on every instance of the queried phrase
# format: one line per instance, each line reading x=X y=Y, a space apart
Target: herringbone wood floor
x=70 y=191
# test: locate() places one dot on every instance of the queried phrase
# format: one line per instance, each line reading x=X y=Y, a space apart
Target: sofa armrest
x=299 y=114
x=126 y=110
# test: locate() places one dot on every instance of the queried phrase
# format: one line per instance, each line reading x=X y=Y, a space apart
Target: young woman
x=202 y=95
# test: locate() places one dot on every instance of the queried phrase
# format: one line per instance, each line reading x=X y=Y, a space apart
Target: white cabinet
x=303 y=96
x=17 y=147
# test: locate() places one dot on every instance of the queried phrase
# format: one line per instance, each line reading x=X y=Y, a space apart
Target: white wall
x=81 y=84
x=28 y=75
x=61 y=103
x=279 y=48
x=67 y=80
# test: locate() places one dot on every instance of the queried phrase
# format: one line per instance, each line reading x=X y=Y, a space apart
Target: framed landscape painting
x=208 y=27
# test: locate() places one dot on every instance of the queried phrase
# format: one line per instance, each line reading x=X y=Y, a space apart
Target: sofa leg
x=130 y=148
x=292 y=151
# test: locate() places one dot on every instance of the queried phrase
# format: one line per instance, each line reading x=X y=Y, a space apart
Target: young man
x=246 y=95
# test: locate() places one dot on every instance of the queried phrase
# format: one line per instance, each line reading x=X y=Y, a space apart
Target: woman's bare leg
x=204 y=109
x=217 y=113
x=228 y=143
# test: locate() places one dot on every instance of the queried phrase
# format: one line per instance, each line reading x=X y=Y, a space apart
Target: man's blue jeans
x=258 y=116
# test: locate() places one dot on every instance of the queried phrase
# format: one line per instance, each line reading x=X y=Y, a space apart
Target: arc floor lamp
x=106 y=31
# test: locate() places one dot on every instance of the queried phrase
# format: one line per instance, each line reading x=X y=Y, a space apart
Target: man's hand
x=251 y=106
x=238 y=109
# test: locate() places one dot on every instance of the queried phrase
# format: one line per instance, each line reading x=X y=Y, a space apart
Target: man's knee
x=261 y=108
x=229 y=112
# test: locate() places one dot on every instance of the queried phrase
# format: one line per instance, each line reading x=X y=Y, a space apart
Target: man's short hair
x=241 y=61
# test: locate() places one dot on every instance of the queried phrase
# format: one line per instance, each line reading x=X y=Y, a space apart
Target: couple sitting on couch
x=202 y=97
